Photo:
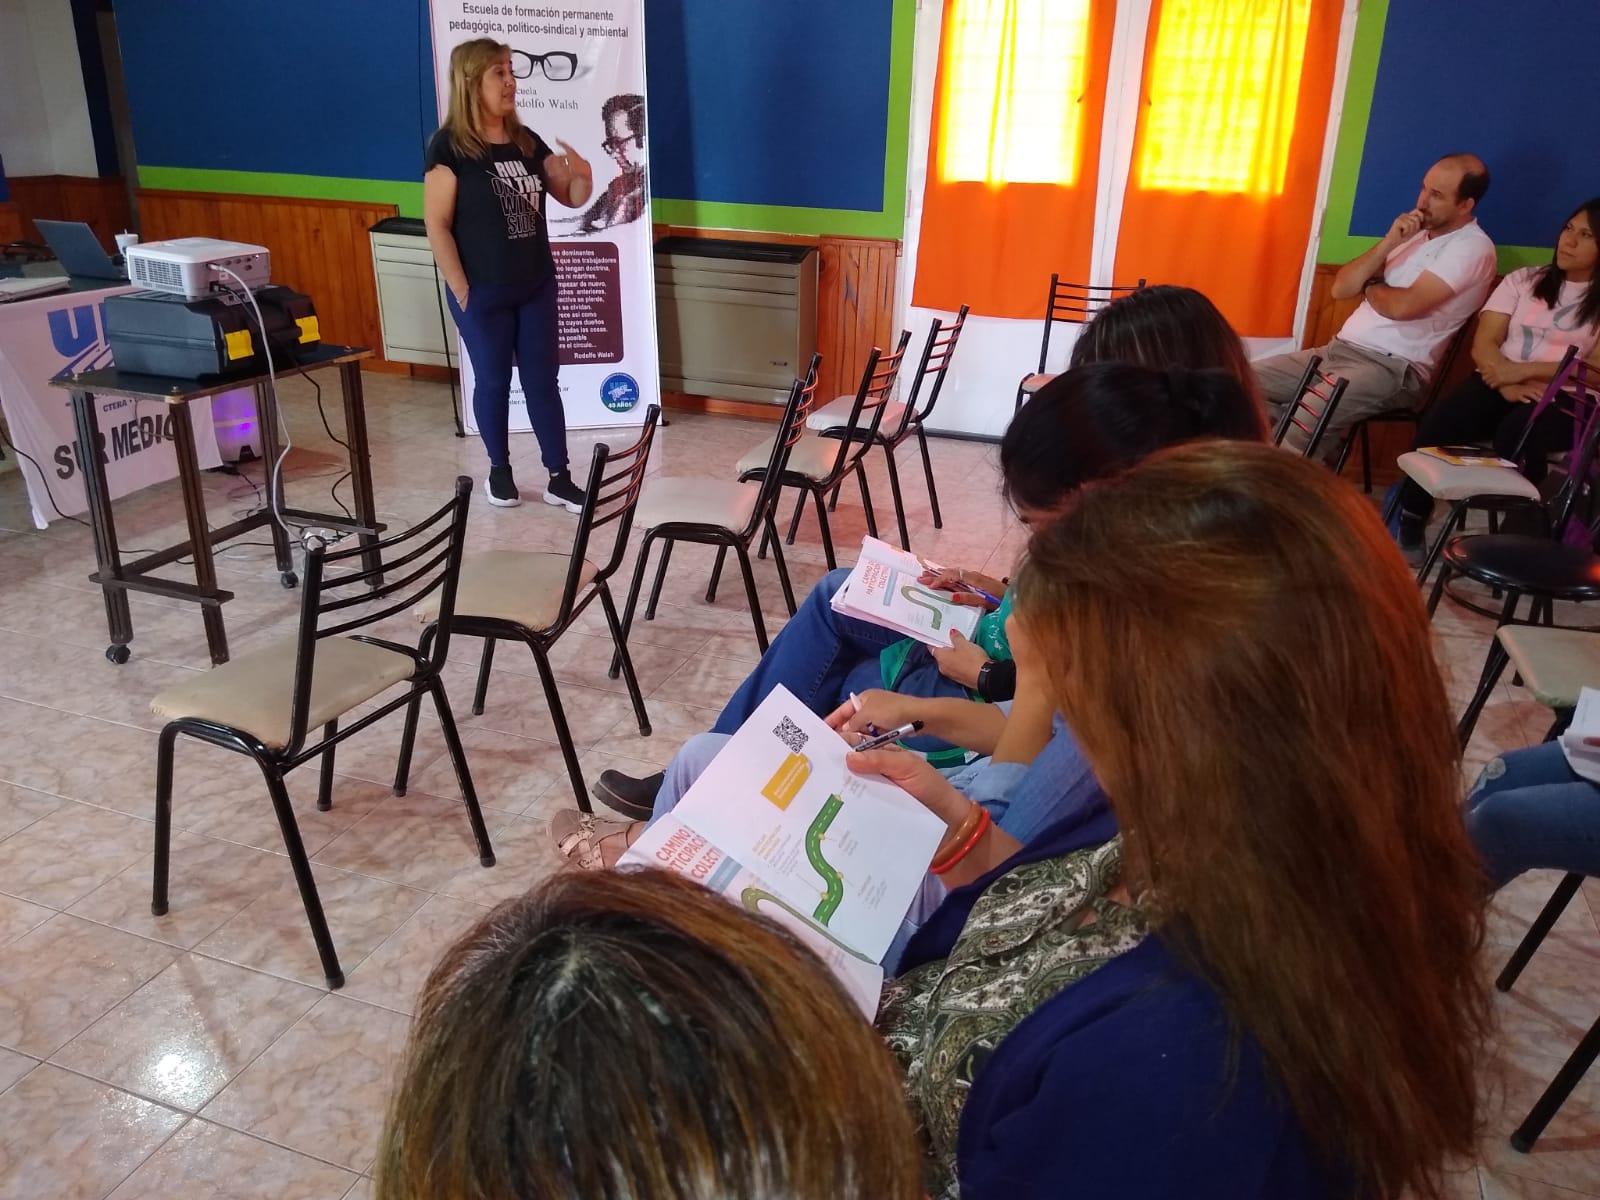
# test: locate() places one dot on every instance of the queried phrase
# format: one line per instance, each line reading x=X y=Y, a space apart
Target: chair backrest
x=1574 y=390
x=1075 y=303
x=612 y=496
x=1552 y=395
x=791 y=428
x=856 y=436
x=1313 y=407
x=410 y=567
x=936 y=354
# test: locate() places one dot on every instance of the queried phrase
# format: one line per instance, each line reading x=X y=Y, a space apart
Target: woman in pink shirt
x=1523 y=332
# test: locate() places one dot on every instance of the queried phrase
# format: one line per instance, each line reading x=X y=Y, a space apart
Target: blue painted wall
x=1514 y=83
x=751 y=101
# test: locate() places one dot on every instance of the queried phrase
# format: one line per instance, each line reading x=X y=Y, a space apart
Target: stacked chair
x=1071 y=304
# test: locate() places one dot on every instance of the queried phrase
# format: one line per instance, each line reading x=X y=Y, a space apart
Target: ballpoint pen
x=893 y=735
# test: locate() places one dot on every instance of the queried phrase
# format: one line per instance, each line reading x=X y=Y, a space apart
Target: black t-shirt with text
x=499 y=224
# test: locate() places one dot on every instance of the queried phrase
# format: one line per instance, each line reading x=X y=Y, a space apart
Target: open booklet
x=779 y=824
x=883 y=589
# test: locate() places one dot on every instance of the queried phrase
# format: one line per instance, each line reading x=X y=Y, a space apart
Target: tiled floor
x=199 y=1053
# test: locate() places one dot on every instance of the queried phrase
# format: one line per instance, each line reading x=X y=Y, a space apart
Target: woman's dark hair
x=1096 y=420
x=613 y=1035
x=1166 y=326
x=1547 y=286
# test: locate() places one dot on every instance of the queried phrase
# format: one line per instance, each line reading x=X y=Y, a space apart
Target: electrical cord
x=275 y=474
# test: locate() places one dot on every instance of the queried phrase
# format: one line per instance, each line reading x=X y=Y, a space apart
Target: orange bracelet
x=955 y=856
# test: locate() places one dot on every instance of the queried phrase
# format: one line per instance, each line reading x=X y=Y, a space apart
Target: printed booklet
x=779 y=824
x=883 y=589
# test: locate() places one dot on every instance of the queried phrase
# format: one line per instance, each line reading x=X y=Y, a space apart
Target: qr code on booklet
x=791 y=735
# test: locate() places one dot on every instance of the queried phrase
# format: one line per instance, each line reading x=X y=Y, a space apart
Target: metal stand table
x=117 y=578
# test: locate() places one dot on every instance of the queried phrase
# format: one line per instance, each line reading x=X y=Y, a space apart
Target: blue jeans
x=822 y=657
x=1529 y=810
x=502 y=323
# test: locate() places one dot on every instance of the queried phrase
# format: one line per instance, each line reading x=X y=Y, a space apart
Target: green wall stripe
x=407 y=195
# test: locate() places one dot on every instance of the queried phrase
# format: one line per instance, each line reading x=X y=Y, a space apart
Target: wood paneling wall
x=101 y=203
x=855 y=298
x=319 y=247
x=11 y=223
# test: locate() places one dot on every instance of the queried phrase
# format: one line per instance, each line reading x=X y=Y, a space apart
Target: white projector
x=193 y=267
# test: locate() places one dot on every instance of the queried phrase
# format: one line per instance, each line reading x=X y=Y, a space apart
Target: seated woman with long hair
x=1256 y=976
x=621 y=1036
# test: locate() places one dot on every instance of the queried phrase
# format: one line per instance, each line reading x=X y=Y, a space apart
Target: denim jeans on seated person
x=1023 y=798
x=1529 y=811
x=822 y=657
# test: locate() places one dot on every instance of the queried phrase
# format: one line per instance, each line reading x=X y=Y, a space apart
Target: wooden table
x=117 y=578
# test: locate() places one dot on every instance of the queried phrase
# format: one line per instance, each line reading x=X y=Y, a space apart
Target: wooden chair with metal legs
x=721 y=513
x=533 y=597
x=1315 y=402
x=818 y=465
x=1069 y=304
x=265 y=703
x=901 y=420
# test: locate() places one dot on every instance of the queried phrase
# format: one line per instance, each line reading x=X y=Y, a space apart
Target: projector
x=191 y=267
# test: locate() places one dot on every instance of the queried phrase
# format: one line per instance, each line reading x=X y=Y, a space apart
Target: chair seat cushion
x=697 y=502
x=813 y=456
x=1032 y=383
x=836 y=415
x=253 y=693
x=1528 y=564
x=1453 y=481
x=1555 y=664
x=519 y=586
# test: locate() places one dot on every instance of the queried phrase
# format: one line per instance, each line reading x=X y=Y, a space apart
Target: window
x=1015 y=74
x=1224 y=79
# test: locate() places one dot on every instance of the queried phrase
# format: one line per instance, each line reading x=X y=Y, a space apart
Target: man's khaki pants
x=1378 y=383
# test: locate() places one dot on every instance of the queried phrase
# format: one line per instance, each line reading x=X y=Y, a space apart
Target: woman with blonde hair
x=483 y=198
x=631 y=1034
x=1265 y=985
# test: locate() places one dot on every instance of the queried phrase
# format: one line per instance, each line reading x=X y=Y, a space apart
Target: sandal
x=580 y=838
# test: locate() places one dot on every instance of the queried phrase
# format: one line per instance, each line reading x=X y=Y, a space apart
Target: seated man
x=1418 y=285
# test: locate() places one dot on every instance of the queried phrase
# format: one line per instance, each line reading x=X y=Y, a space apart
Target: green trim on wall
x=889 y=222
x=408 y=196
x=1336 y=245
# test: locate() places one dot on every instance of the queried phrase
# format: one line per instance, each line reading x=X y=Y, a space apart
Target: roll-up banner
x=580 y=80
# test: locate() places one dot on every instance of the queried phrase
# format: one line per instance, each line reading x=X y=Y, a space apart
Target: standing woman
x=483 y=193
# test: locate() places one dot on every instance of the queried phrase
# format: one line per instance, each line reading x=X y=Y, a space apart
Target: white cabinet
x=411 y=303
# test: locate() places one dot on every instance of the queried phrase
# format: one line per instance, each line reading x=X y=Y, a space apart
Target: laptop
x=27 y=289
x=79 y=251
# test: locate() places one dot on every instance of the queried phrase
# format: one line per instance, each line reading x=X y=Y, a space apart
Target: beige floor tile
x=671 y=724
x=19 y=916
x=1516 y=905
x=64 y=1135
x=204 y=1159
x=362 y=1190
x=321 y=1088
x=524 y=854
x=1499 y=1185
x=272 y=934
x=704 y=682
x=509 y=773
x=417 y=840
x=393 y=974
x=14 y=1066
x=65 y=974
x=20 y=807
x=243 y=812
x=66 y=854
x=1567 y=1155
x=208 y=882
x=181 y=1037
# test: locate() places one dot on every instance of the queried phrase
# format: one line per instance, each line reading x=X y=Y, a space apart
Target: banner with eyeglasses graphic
x=580 y=80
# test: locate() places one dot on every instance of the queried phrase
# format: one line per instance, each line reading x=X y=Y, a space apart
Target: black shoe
x=631 y=797
x=562 y=491
x=501 y=488
x=1412 y=536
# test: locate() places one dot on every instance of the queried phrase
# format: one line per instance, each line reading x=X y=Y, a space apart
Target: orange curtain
x=1014 y=153
x=1221 y=192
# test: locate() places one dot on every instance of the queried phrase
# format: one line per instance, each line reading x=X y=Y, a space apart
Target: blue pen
x=978 y=591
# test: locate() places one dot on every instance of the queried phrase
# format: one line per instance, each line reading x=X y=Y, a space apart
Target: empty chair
x=265 y=703
x=901 y=419
x=533 y=597
x=817 y=465
x=1073 y=304
x=1314 y=405
x=1490 y=485
x=721 y=513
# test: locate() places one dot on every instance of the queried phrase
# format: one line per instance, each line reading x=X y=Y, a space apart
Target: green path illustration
x=835 y=881
x=924 y=599
x=752 y=897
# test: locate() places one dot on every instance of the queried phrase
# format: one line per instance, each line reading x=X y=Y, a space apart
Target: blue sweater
x=1120 y=1085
